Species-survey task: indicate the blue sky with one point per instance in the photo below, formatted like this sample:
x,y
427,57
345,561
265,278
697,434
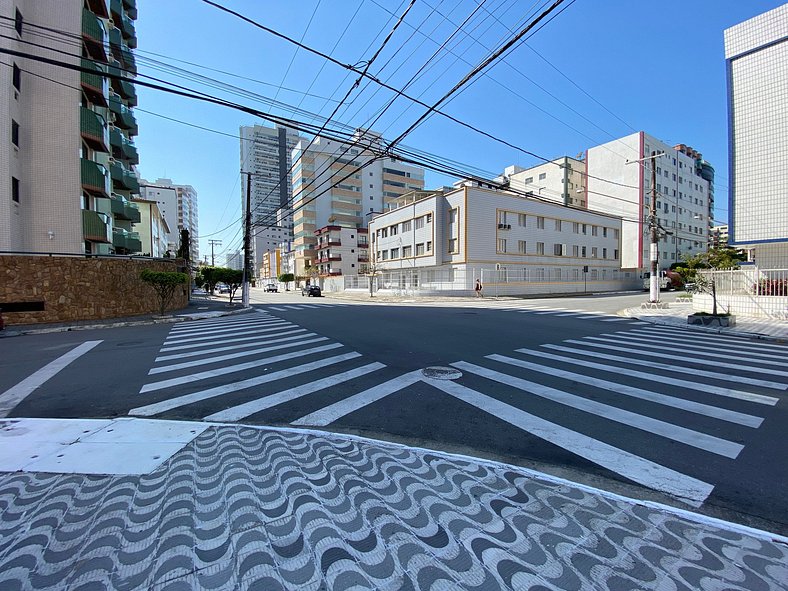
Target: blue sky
x,y
600,70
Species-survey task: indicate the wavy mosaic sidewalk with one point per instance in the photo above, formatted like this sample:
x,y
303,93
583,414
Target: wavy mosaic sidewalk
x,y
244,508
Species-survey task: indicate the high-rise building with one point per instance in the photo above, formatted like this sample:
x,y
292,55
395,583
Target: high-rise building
x,y
67,172
266,154
618,182
756,57
368,190
178,205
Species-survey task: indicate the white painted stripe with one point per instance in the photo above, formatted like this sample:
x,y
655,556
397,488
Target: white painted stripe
x,y
257,336
645,423
221,321
673,368
617,319
236,413
669,345
621,462
257,321
726,340
218,330
722,414
731,349
335,411
294,307
664,355
165,405
278,309
234,368
229,356
227,334
313,306
263,339
659,378
16,394
554,311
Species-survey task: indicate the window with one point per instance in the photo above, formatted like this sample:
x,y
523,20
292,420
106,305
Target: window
x,y
453,230
18,22
594,231
615,254
429,218
542,176
371,186
540,248
15,189
540,222
15,133
575,227
394,230
385,255
521,220
604,232
585,229
604,253
407,251
406,226
419,222
559,249
17,77
557,225
529,180
594,252
429,246
575,251
501,217
615,234
583,252
521,246
452,245
420,249
395,253
384,233
501,244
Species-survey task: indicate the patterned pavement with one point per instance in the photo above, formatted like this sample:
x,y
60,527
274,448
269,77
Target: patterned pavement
x,y
270,509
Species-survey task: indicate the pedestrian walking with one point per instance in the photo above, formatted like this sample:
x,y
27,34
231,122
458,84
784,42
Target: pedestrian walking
x,y
478,288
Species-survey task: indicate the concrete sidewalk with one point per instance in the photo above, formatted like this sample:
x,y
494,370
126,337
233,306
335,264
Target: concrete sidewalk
x,y
676,316
235,507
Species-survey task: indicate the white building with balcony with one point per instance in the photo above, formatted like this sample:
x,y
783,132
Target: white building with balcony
x,y
341,251
444,241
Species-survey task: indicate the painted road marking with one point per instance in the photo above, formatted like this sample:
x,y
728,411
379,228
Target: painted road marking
x,y
333,412
645,337
689,336
254,343
165,405
16,394
662,378
257,336
236,413
226,333
630,466
672,401
690,437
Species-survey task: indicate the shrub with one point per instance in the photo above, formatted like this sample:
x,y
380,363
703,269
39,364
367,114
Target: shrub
x,y
772,287
164,284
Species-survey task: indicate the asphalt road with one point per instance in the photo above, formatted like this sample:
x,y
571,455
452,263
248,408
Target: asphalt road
x,y
560,385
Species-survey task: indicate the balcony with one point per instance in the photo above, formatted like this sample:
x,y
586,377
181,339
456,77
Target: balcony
x,y
123,179
93,129
123,88
95,84
95,227
124,117
131,8
125,241
124,209
123,148
99,8
95,179
94,34
127,28
116,11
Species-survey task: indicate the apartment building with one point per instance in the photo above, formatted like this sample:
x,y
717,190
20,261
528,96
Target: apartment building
x,y
471,232
372,186
178,204
561,180
341,251
266,153
618,182
67,158
152,228
756,54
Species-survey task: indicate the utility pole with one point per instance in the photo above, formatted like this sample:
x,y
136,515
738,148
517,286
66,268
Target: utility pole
x,y
247,241
653,228
214,243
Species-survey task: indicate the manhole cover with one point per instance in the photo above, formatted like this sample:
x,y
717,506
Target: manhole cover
x,y
441,373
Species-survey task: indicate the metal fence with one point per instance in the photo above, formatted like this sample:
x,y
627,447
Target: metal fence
x,y
748,291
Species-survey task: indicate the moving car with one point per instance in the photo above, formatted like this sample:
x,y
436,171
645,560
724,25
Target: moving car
x,y
271,287
311,290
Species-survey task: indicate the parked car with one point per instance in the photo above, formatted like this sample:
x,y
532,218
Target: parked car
x,y
222,288
271,287
311,290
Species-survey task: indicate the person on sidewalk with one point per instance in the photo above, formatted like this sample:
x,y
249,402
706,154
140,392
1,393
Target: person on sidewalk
x,y
478,288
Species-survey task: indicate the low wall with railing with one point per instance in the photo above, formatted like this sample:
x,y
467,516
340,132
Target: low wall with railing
x,y
66,288
747,291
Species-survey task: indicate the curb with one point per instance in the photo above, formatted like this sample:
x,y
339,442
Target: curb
x,y
738,333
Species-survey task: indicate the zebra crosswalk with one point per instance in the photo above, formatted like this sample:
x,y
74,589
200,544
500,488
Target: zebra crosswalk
x,y
660,406
286,307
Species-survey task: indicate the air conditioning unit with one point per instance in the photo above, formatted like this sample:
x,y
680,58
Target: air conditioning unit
x,y
504,226
501,226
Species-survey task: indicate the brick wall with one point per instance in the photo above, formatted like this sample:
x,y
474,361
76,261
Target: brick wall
x,y
79,288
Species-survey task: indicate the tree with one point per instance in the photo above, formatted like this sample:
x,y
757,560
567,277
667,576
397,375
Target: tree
x,y
371,270
718,258
286,278
184,250
232,277
164,284
210,278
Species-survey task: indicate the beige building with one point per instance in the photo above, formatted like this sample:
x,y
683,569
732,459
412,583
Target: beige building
x,y
561,180
371,188
446,240
152,228
68,169
341,251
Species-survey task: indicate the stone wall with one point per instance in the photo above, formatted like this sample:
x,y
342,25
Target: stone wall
x,y
75,288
